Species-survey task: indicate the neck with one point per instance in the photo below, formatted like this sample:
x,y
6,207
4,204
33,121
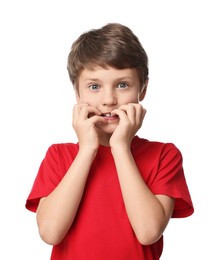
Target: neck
x,y
105,139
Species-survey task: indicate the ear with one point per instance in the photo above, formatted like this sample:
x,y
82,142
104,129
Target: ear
x,y
143,91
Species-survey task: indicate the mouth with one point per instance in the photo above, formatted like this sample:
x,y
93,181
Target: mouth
x,y
106,115
109,116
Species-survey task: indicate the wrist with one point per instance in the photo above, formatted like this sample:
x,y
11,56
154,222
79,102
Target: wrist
x,y
119,149
87,152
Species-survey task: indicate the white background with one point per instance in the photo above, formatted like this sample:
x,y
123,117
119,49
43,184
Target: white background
x,y
182,39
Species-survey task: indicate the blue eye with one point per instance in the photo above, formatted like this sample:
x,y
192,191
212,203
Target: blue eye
x,y
94,87
122,85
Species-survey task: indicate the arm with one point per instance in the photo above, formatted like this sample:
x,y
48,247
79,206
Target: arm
x,y
148,214
56,212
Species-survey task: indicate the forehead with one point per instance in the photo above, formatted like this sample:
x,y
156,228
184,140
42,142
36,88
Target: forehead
x,y
108,73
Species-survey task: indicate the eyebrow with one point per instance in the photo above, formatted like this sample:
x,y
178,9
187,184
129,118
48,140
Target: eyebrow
x,y
125,78
116,79
91,79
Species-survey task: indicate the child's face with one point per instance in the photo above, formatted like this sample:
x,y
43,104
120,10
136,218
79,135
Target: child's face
x,y
108,89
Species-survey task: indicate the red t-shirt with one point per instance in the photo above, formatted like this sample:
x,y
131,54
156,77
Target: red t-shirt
x,y
101,229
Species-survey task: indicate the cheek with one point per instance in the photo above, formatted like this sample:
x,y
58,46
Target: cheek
x,y
130,99
86,99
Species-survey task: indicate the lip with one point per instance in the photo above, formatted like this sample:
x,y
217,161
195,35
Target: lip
x,y
108,116
106,112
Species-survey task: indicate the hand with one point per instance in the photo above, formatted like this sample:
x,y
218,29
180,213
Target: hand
x,y
85,118
130,120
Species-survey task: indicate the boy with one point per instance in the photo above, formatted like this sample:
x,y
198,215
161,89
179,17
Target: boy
x,y
111,195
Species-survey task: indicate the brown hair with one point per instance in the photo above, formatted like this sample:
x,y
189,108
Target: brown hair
x,y
112,45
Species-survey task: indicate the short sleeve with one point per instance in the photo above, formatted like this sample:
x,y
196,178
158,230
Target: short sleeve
x,y
170,180
46,180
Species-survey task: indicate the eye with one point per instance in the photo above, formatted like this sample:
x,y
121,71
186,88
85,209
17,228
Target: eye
x,y
122,85
94,87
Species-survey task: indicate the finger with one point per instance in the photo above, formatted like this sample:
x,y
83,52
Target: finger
x,y
144,113
75,113
140,113
130,111
97,120
77,108
86,111
120,113
135,112
85,106
89,111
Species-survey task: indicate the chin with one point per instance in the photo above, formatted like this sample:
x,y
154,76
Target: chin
x,y
109,129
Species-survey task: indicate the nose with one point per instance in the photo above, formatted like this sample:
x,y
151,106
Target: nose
x,y
109,98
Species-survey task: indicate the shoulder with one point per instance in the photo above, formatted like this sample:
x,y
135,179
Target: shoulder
x,y
61,153
157,148
63,148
